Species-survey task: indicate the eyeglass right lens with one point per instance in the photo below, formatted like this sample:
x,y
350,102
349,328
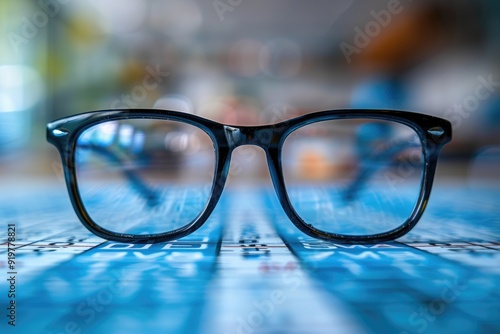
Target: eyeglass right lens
x,y
353,176
144,176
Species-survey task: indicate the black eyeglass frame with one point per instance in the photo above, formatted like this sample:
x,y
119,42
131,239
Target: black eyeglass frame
x,y
433,132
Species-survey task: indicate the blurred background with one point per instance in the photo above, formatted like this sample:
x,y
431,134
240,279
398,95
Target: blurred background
x,y
249,62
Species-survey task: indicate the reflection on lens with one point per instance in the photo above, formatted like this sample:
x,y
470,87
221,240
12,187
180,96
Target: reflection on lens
x,y
353,177
144,176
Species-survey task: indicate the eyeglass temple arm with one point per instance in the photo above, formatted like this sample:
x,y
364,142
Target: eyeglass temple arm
x,y
368,169
151,196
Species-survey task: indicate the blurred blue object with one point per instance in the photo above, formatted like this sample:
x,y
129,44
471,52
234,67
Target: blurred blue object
x,y
379,93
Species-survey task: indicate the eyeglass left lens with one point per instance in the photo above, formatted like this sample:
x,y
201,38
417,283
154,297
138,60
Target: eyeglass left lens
x,y
354,177
144,176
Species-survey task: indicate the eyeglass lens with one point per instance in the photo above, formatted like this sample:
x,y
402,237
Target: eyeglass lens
x,y
144,176
353,176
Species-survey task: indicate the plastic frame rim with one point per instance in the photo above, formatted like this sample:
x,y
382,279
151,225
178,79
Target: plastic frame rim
x,y
433,132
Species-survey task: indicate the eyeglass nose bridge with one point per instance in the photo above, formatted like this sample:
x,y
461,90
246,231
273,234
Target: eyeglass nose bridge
x,y
261,136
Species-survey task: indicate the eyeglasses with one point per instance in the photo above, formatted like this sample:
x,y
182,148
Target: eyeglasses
x,y
148,176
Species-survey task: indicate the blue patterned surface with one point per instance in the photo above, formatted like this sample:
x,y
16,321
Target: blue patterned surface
x,y
248,270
